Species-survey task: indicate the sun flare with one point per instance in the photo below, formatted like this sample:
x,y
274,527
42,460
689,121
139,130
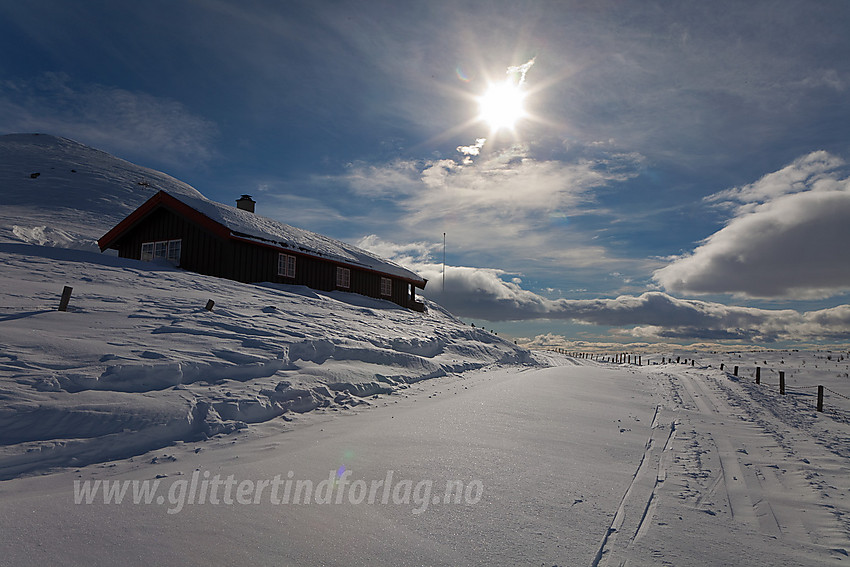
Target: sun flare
x,y
502,105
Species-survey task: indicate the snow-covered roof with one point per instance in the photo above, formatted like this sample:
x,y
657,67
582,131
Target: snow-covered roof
x,y
250,226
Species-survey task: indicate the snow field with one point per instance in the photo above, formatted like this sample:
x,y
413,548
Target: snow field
x,y
137,362
744,473
581,464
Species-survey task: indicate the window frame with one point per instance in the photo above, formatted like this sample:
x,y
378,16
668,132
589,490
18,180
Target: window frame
x,y
386,287
147,255
286,265
343,277
170,250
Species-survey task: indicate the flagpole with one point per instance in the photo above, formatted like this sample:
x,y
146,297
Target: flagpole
x,y
444,262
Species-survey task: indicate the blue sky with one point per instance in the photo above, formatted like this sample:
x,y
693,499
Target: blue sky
x,y
680,175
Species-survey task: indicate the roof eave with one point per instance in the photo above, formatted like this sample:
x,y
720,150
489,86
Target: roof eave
x,y
161,198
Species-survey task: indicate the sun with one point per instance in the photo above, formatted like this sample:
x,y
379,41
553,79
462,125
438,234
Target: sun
x,y
502,105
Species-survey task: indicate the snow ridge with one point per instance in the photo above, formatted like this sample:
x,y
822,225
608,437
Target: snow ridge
x,y
137,362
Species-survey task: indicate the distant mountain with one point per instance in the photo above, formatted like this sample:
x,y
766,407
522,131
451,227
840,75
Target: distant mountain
x,y
58,192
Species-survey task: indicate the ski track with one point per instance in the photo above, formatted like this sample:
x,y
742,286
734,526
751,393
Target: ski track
x,y
638,504
757,481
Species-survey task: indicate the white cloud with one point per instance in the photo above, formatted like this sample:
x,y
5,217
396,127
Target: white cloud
x,y
810,171
787,239
412,254
552,340
471,150
118,120
399,177
495,295
520,70
499,205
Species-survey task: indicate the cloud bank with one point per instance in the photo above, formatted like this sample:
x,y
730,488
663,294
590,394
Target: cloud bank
x,y
495,295
787,237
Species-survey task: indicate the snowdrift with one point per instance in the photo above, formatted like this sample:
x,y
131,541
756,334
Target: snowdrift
x,y
137,362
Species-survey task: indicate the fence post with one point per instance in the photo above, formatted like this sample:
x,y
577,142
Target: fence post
x,y
721,366
209,305
758,374
66,297
735,371
782,382
820,398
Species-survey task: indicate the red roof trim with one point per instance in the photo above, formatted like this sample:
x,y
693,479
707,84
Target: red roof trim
x,y
161,199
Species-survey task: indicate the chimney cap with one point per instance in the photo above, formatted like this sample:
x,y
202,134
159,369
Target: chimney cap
x,y
245,198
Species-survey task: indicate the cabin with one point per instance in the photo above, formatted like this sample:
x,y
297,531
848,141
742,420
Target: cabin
x,y
210,238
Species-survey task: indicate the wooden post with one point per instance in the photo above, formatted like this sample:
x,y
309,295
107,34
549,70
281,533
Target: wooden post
x,y
721,366
66,297
758,374
820,398
692,362
209,305
736,371
782,382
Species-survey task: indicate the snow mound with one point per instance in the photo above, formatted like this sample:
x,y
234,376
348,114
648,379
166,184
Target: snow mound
x,y
54,237
137,362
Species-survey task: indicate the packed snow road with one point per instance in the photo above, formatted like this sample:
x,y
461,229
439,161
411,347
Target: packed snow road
x,y
745,477
543,458
583,464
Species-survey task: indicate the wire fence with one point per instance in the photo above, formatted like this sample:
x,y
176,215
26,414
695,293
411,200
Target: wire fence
x,y
797,391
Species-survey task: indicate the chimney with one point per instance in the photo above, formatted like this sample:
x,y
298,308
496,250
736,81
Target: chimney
x,y
246,203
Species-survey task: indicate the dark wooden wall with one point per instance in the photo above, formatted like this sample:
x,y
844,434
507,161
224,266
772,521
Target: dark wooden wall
x,y
201,251
206,253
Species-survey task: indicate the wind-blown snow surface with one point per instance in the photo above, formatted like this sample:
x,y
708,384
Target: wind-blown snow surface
x,y
579,463
137,362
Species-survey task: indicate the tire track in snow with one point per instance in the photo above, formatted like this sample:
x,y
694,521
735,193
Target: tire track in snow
x,y
737,493
754,483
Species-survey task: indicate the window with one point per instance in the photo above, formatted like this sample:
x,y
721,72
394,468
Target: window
x,y
147,251
174,249
386,286
286,265
162,250
343,277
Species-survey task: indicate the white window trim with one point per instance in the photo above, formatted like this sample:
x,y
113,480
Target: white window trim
x,y
386,286
343,277
168,250
286,265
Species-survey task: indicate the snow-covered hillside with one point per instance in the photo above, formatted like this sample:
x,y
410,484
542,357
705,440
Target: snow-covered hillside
x,y
137,362
57,192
